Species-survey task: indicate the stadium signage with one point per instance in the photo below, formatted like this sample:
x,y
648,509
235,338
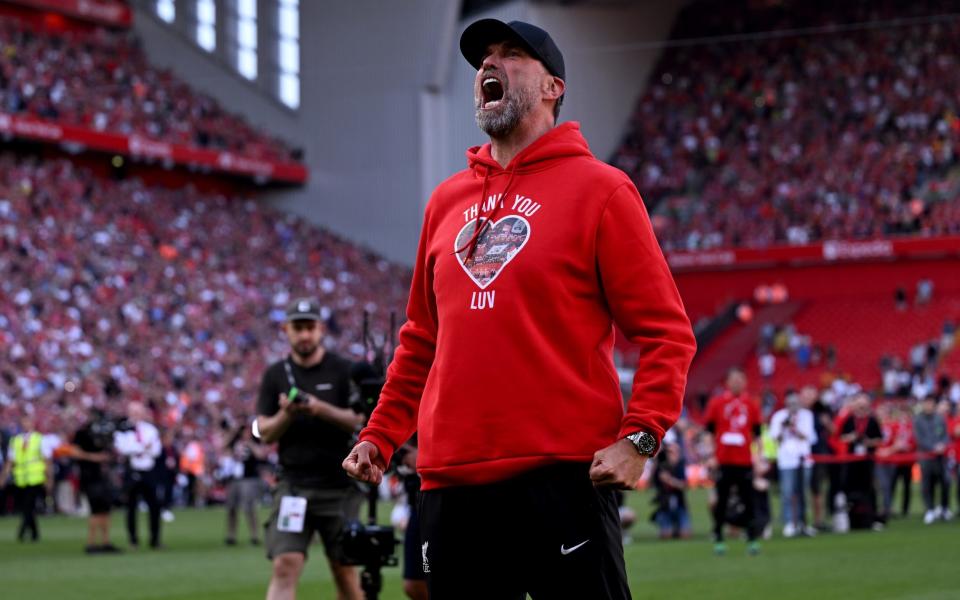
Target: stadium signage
x,y
682,260
30,129
228,161
105,12
857,250
139,147
145,147
825,252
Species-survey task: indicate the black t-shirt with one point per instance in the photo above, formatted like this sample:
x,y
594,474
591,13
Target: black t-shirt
x,y
311,450
820,412
90,472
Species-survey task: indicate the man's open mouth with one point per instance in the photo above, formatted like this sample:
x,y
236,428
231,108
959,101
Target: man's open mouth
x,y
492,92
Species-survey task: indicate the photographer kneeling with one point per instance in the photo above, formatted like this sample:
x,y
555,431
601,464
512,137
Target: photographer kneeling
x,y
303,405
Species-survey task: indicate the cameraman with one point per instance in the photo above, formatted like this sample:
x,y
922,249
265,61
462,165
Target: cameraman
x,y
92,450
303,405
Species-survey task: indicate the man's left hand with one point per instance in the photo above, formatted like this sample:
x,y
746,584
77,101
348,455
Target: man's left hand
x,y
618,465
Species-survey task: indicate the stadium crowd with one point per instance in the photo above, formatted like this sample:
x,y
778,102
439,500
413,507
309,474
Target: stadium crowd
x,y
113,291
102,80
798,138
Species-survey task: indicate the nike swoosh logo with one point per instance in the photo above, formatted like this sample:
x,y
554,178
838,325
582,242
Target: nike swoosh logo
x,y
565,551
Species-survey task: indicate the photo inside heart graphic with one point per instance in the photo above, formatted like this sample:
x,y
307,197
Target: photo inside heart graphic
x,y
498,244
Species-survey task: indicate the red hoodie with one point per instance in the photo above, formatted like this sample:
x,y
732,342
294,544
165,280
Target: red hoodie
x,y
505,361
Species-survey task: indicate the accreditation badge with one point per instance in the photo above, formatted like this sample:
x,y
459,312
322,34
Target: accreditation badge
x,y
293,511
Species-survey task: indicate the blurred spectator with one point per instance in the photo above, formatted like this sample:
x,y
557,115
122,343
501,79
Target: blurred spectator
x,y
924,292
767,364
897,439
953,425
794,430
670,479
193,467
94,450
31,474
918,358
240,466
861,433
734,420
900,298
140,445
948,336
167,468
819,472
930,431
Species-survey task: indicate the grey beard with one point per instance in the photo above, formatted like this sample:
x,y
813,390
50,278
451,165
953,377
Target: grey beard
x,y
500,123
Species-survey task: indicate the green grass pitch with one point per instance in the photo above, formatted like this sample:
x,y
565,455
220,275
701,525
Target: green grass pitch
x,y
908,560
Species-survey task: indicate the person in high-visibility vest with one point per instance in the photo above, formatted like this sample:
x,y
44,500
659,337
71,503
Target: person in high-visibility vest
x,y
192,463
32,475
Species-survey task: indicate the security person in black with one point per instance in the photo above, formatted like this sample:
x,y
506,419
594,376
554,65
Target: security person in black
x,y
304,406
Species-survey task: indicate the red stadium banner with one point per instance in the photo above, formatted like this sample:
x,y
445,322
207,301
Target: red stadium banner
x,y
138,147
820,253
105,12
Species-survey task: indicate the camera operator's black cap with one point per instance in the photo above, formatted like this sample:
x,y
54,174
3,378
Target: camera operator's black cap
x,y
479,35
304,309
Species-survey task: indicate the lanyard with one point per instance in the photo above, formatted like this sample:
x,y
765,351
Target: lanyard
x,y
290,378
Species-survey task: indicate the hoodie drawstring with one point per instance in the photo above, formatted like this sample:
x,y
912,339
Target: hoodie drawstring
x,y
471,246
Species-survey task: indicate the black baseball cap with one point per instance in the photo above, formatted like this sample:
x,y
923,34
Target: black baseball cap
x,y
477,37
304,309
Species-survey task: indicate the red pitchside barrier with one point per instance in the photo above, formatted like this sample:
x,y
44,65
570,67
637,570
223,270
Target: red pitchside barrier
x,y
105,12
139,147
901,458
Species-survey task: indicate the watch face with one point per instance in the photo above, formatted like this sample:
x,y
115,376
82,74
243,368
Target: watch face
x,y
644,442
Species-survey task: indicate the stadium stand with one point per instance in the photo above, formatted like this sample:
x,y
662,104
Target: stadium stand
x,y
789,139
168,295
100,79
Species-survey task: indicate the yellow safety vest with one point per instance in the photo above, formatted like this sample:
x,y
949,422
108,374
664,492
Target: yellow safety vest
x,y
28,465
768,444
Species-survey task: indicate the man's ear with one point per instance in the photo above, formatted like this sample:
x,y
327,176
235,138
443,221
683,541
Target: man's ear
x,y
553,87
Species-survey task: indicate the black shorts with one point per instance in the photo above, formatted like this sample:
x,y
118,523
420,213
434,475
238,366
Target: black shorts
x,y
99,496
412,559
548,533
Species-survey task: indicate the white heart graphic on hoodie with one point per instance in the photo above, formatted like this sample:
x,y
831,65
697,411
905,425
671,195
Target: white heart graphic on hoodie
x,y
497,246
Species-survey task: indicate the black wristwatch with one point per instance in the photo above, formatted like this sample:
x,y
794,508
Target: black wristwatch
x,y
645,443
